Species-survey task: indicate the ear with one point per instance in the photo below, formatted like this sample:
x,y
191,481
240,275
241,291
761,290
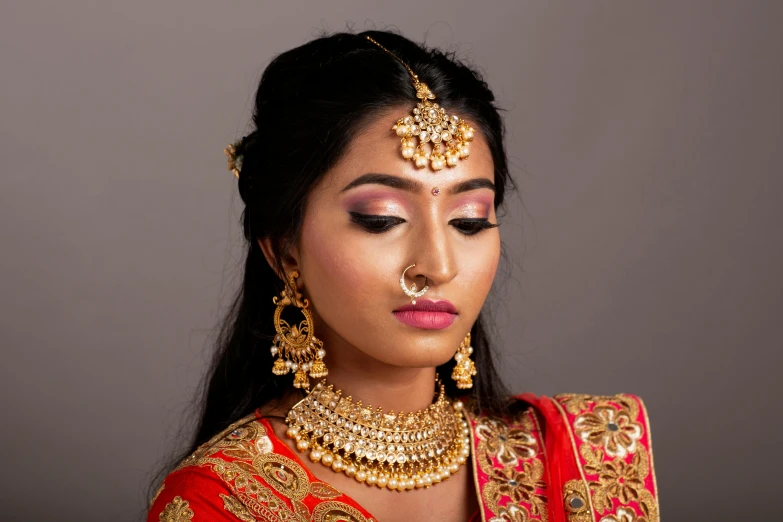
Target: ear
x,y
290,259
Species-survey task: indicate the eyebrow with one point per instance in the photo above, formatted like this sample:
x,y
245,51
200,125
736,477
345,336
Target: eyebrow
x,y
412,185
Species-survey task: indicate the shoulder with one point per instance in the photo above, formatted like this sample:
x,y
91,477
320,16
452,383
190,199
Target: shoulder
x,y
599,445
189,493
590,417
617,422
201,487
247,473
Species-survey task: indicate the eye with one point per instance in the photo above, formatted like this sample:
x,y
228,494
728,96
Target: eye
x,y
472,226
375,224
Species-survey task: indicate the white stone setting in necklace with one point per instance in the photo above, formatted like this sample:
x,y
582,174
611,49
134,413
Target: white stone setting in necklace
x,y
387,450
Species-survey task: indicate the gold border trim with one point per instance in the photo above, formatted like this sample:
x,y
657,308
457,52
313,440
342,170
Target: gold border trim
x,y
650,451
576,456
534,414
474,463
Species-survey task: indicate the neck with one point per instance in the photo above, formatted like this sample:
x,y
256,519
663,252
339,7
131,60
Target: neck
x,y
396,389
374,382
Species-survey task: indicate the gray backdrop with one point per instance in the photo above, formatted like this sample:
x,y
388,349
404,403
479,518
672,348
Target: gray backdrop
x,y
646,139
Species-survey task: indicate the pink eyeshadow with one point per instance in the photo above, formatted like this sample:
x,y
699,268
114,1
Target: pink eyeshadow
x,y
374,201
480,202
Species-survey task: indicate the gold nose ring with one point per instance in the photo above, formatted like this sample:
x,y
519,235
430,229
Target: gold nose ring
x,y
411,292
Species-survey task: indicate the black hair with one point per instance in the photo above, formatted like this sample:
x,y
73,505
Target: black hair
x,y
310,101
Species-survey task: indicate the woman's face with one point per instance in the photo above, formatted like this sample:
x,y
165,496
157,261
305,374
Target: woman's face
x,y
357,238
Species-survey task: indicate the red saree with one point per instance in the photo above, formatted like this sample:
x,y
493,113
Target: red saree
x,y
571,458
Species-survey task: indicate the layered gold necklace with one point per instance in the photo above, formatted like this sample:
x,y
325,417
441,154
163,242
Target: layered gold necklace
x,y
396,451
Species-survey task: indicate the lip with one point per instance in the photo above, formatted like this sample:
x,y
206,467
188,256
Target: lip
x,y
427,314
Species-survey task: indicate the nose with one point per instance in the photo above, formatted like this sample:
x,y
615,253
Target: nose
x,y
433,255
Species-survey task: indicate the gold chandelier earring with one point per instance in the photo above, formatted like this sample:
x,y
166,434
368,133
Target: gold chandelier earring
x,y
465,369
297,349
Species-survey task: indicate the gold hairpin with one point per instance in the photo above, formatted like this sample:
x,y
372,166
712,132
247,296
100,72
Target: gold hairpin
x,y
234,159
429,122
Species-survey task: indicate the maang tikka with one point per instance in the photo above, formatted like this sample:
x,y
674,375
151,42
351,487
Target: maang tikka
x,y
295,346
429,122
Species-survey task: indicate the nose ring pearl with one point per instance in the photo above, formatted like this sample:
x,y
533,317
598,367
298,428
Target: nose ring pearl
x,y
411,292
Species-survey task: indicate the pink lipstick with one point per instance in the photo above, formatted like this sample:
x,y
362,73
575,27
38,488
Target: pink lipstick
x,y
427,314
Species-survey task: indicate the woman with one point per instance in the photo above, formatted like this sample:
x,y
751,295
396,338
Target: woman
x,y
371,184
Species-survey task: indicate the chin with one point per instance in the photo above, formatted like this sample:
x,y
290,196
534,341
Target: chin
x,y
412,358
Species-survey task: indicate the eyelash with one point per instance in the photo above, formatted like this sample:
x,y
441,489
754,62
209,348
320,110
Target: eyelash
x,y
380,224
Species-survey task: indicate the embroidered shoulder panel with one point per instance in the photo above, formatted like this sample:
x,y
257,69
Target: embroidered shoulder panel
x,y
610,437
266,480
177,510
509,467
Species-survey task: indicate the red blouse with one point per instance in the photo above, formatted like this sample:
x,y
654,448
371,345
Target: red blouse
x,y
571,458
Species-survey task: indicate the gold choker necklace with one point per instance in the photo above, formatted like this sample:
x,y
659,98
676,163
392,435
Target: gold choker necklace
x,y
395,451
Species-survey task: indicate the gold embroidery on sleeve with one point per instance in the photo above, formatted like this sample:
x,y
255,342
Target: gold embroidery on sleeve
x,y
177,510
157,494
255,475
323,490
610,427
239,433
333,511
283,474
236,508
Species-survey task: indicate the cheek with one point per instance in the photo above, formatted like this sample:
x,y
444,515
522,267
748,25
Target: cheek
x,y
480,267
336,272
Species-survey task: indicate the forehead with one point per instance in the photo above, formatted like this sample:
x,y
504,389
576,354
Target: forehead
x,y
374,147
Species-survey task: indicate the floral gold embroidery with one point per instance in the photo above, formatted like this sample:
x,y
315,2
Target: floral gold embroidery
x,y
611,428
248,490
624,514
611,436
333,511
649,507
593,458
523,485
236,508
506,444
177,510
511,513
259,479
576,403
238,434
508,455
257,498
621,480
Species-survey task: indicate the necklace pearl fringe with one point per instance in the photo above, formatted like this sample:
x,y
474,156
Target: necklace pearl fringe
x,y
392,451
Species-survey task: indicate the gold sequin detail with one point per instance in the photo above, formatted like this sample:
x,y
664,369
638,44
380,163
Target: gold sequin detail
x,y
576,502
283,474
177,510
236,508
331,511
157,494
